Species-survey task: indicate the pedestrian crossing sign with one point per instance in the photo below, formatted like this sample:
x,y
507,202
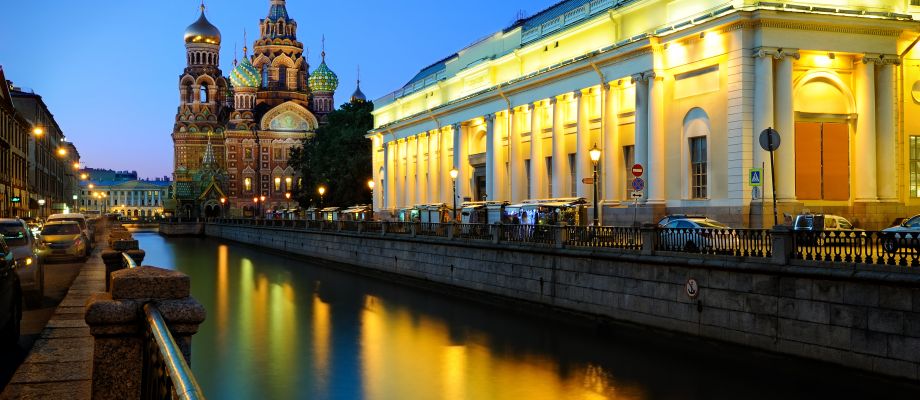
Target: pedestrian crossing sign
x,y
755,178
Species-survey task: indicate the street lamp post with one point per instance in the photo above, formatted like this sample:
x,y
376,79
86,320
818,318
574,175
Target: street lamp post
x,y
223,203
262,206
287,202
453,178
322,192
255,211
370,185
595,154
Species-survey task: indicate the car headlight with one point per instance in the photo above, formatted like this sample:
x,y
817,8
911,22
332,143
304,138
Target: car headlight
x,y
27,261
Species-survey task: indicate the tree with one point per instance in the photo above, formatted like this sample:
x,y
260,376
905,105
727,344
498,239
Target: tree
x,y
338,157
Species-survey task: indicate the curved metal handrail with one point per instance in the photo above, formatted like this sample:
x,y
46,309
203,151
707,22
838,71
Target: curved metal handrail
x,y
129,262
184,383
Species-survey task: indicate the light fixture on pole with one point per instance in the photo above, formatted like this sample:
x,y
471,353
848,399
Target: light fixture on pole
x,y
453,177
223,203
322,192
287,196
595,154
370,185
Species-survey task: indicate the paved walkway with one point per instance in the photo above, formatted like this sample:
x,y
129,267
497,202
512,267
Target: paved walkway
x,y
61,361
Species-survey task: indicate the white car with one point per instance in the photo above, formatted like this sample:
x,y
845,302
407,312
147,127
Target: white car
x,y
905,235
24,247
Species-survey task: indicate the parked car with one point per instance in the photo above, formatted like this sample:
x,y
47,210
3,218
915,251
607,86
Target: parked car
x,y
905,235
694,234
29,265
817,223
87,228
63,240
674,217
10,299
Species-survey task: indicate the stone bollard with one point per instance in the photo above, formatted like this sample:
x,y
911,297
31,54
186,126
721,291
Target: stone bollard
x,y
118,324
113,262
649,234
783,244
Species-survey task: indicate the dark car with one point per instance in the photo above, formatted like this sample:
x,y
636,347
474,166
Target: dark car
x,y
674,217
10,298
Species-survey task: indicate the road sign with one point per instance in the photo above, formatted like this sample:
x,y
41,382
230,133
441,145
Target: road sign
x,y
755,177
637,195
769,139
588,181
637,170
693,288
638,184
16,199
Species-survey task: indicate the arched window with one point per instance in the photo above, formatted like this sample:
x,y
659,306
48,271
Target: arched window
x,y
247,184
204,94
189,94
282,77
264,75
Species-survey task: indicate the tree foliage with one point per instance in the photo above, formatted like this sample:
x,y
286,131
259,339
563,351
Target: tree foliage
x,y
338,157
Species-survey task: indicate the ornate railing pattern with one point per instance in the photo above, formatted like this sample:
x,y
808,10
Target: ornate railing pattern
x,y
731,242
166,374
862,247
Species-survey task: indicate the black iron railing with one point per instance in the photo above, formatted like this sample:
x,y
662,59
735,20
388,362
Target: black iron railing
x,y
166,374
862,247
731,242
604,236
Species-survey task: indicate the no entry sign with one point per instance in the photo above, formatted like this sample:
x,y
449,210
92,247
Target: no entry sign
x,y
637,170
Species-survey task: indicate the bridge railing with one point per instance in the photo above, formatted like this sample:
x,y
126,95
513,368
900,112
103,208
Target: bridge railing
x,y
166,374
716,241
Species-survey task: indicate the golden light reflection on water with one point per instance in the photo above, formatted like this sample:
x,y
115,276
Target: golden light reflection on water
x,y
411,355
322,330
223,289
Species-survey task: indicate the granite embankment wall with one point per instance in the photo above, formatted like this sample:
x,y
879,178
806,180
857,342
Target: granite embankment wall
x,y
862,317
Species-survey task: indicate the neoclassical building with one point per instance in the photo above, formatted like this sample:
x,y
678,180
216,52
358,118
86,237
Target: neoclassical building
x,y
683,88
233,135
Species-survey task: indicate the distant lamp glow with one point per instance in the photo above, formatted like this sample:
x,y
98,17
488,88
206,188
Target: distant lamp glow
x,y
287,195
595,154
76,165
321,190
262,198
74,197
223,200
255,199
38,131
41,202
62,152
370,184
91,186
84,176
454,173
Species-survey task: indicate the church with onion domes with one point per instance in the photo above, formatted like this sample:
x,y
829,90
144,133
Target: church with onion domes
x,y
233,135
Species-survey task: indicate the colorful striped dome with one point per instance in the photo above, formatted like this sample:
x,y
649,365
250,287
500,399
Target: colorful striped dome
x,y
245,75
323,79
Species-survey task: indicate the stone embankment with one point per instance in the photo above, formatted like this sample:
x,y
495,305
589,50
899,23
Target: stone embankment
x,y
864,317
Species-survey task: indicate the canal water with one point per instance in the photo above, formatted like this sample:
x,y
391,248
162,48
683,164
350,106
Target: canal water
x,y
282,327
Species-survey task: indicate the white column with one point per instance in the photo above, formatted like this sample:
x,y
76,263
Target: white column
x,y
864,163
784,118
421,176
886,132
641,126
613,154
516,159
383,188
763,116
401,171
446,166
411,170
434,178
560,155
537,161
461,161
656,166
491,157
390,179
584,168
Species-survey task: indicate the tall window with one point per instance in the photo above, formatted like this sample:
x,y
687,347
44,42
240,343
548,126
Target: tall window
x,y
247,153
698,178
527,172
189,94
573,172
264,76
549,176
282,77
247,184
204,93
915,166
629,159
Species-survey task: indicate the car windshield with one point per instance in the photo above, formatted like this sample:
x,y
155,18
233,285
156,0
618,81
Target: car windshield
x,y
844,224
708,223
62,229
804,222
14,234
913,222
80,221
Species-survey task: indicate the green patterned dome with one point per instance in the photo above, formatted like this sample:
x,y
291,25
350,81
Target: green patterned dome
x,y
245,75
323,79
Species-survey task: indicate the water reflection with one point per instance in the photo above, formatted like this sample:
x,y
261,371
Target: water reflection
x,y
282,328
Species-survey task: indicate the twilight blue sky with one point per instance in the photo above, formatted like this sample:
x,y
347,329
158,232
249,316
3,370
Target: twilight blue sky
x,y
109,69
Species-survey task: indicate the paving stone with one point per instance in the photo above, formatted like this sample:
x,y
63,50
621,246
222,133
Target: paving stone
x,y
72,390
61,350
52,372
51,333
66,323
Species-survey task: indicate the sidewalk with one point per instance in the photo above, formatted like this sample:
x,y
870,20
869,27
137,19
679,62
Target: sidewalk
x,y
61,361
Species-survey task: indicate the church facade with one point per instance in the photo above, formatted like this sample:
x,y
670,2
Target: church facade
x,y
233,135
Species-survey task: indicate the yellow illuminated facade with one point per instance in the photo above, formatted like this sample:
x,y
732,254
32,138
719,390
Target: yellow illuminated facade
x,y
682,87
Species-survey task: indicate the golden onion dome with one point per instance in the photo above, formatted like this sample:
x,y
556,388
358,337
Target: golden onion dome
x,y
202,31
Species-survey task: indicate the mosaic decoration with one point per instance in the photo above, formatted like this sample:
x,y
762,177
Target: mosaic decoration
x,y
289,121
245,75
323,79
